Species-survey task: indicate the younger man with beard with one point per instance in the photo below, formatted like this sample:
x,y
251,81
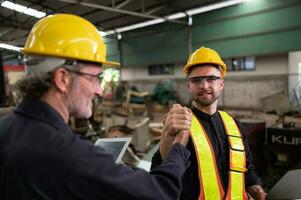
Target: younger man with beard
x,y
221,162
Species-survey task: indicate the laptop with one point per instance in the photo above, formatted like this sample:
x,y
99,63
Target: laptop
x,y
114,146
146,162
288,187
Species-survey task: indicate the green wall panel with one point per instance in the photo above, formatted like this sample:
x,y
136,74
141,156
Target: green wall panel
x,y
165,47
257,45
251,7
112,49
253,28
262,23
166,55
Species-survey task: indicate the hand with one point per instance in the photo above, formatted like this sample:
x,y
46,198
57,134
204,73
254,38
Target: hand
x,y
175,129
257,192
182,137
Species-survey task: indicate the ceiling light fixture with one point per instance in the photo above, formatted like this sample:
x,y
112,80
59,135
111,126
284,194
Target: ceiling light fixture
x,y
102,33
131,27
23,9
176,16
140,25
10,47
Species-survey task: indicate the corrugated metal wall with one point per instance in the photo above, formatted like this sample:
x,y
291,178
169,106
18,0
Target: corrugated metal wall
x,y
253,28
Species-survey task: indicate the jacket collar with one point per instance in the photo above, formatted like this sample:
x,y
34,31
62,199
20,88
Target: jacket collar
x,y
203,114
41,111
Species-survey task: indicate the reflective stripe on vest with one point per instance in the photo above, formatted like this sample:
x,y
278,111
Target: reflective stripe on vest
x,y
210,182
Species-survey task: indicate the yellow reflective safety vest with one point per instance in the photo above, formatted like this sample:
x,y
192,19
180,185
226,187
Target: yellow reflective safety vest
x,y
210,183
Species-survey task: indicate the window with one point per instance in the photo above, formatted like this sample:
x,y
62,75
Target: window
x,y
162,69
240,64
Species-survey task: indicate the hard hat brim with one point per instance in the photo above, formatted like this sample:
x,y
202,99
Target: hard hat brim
x,y
187,67
105,63
111,64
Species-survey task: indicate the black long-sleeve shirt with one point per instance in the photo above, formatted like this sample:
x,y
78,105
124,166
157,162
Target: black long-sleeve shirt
x,y
217,134
40,158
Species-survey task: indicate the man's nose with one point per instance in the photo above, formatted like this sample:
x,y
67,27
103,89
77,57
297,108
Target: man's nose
x,y
98,90
203,83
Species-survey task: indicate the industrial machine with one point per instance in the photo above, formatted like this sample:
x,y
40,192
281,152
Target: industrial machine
x,y
283,145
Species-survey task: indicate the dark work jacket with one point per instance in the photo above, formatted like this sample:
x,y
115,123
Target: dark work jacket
x,y
40,158
216,132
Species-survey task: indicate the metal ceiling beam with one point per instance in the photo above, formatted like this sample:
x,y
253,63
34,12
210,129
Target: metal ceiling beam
x,y
169,5
142,6
119,10
123,3
91,5
5,30
25,25
8,23
14,15
155,9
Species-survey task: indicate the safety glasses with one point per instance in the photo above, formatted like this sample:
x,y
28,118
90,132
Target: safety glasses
x,y
94,77
201,79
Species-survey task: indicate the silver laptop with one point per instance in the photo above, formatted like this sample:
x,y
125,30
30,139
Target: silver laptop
x,y
287,188
114,146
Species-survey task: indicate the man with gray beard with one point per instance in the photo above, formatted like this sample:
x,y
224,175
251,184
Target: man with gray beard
x,y
40,157
221,161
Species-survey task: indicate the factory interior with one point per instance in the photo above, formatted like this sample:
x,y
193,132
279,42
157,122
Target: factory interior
x,y
258,40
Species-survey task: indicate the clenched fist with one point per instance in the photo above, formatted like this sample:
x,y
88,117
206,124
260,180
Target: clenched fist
x,y
176,128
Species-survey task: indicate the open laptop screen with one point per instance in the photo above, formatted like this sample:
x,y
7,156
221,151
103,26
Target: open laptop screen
x,y
114,146
288,187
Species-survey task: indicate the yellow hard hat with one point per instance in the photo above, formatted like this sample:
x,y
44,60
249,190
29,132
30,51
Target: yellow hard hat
x,y
67,36
205,55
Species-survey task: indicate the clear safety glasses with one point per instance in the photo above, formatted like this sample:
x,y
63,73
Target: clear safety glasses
x,y
200,79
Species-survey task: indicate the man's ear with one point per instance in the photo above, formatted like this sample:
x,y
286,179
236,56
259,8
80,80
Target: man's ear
x,y
188,86
61,79
222,84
